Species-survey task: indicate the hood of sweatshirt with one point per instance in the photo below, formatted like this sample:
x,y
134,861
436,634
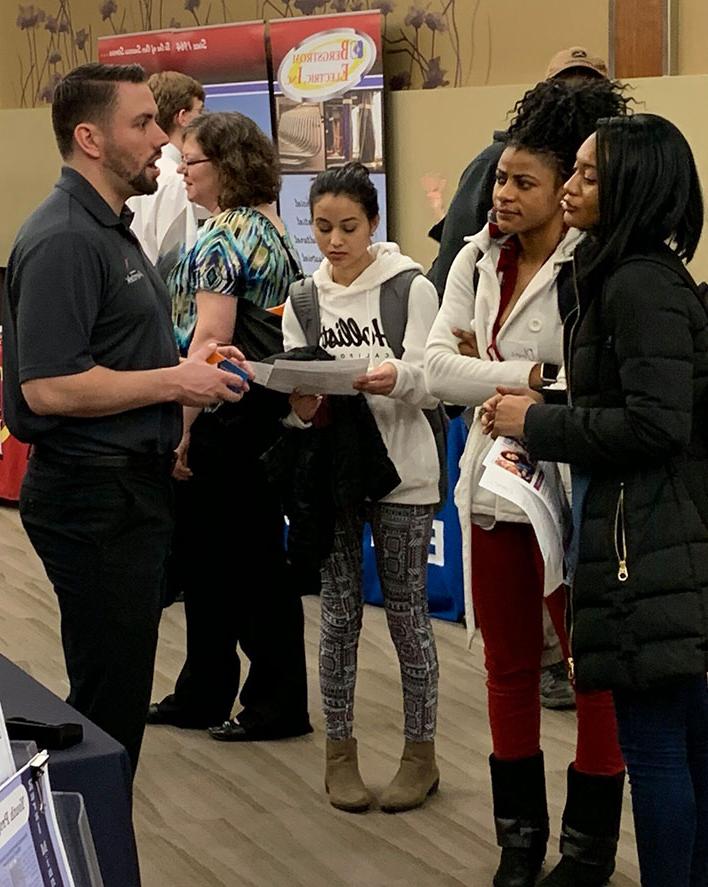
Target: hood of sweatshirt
x,y
388,262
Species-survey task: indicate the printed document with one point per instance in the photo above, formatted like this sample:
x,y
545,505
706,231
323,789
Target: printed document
x,y
310,376
32,853
537,489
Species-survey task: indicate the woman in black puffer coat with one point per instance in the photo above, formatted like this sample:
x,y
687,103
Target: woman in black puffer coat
x,y
635,431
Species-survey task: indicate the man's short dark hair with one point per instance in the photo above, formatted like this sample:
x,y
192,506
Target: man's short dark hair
x,y
88,95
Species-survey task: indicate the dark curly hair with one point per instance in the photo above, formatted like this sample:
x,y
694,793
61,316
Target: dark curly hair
x,y
246,159
556,116
354,181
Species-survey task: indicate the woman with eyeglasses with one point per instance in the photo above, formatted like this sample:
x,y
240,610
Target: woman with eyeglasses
x,y
231,287
635,433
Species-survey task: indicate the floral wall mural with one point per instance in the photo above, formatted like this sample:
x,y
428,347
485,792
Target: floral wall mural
x,y
428,44
411,31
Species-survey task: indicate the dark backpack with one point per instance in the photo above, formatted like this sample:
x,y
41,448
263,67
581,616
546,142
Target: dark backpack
x,y
393,307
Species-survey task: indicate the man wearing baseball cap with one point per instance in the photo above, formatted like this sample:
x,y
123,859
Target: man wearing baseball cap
x,y
468,210
575,62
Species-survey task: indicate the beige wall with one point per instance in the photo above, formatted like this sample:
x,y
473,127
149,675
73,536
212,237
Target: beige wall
x,y
420,144
692,34
430,133
29,164
483,41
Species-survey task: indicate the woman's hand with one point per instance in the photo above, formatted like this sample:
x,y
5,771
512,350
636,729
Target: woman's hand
x,y
305,405
182,471
468,342
510,415
490,416
381,380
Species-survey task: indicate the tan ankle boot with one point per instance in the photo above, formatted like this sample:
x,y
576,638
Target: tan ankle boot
x,y
417,777
343,782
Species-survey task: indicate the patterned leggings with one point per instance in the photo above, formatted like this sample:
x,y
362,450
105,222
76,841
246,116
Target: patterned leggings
x,y
401,538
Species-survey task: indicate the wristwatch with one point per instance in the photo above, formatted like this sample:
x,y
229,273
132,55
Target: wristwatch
x,y
549,373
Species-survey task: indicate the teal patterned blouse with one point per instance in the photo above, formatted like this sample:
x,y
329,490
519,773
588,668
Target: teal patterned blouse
x,y
238,253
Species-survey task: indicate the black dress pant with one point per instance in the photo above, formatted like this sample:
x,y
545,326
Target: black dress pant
x,y
237,590
103,535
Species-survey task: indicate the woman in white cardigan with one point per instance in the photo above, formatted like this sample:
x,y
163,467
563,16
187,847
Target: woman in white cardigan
x,y
504,287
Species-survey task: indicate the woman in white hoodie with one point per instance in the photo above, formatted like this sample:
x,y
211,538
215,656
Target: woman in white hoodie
x,y
505,285
345,213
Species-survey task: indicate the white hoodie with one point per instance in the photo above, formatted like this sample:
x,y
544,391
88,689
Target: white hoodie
x,y
351,328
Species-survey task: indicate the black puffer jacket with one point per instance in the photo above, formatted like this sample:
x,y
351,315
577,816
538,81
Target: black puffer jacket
x,y
637,360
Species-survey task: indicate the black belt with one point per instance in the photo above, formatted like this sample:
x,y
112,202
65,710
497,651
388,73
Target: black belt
x,y
144,461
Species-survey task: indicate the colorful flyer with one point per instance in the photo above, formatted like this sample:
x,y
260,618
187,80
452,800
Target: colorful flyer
x,y
328,83
31,849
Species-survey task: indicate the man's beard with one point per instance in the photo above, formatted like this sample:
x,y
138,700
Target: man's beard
x,y
139,183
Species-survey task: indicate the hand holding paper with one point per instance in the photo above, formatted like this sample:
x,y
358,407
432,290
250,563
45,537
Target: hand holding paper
x,y
505,412
381,380
311,376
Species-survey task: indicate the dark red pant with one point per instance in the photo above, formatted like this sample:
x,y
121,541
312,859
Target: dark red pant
x,y
507,588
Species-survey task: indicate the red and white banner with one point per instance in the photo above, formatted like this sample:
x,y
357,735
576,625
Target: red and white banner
x,y
229,60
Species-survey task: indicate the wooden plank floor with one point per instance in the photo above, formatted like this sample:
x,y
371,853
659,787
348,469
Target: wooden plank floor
x,y
211,814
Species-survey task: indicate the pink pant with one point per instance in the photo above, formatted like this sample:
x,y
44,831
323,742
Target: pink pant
x,y
507,588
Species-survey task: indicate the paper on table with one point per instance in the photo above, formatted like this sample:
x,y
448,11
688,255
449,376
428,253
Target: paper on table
x,y
310,377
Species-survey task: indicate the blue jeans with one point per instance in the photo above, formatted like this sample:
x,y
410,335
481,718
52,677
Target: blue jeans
x,y
664,739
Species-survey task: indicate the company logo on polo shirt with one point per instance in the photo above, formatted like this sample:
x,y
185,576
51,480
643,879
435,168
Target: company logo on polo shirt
x,y
133,275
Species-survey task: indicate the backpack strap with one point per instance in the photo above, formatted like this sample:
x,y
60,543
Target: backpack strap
x,y
303,298
393,307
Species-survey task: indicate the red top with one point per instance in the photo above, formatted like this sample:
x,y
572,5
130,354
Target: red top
x,y
508,272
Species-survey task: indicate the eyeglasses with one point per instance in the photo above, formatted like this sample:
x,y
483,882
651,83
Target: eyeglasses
x,y
185,162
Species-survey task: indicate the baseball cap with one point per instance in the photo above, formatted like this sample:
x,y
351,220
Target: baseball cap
x,y
575,57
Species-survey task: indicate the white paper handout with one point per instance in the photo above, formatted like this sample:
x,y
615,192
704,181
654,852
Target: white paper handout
x,y
537,489
310,376
7,762
31,849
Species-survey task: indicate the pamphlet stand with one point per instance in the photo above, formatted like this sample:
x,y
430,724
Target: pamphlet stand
x,y
73,824
23,750
78,842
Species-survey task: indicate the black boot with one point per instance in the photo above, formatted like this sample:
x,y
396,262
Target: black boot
x,y
589,832
521,819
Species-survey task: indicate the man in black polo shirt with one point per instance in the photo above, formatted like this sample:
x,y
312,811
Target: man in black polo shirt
x,y
94,382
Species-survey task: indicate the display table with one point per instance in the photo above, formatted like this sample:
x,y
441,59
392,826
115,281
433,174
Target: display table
x,y
98,768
